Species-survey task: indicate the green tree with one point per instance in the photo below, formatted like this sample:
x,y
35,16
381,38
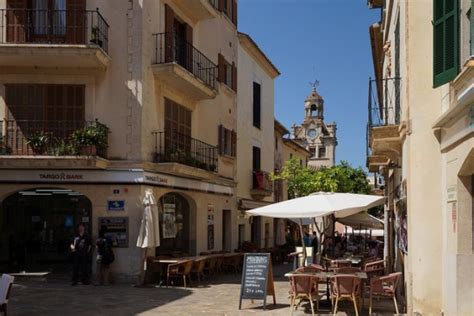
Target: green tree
x,y
303,181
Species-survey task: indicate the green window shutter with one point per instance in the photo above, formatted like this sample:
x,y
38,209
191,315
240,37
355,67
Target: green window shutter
x,y
445,41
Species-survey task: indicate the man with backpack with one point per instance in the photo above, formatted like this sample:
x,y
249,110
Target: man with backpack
x,y
105,256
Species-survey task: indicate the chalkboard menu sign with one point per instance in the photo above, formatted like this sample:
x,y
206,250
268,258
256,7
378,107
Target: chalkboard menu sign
x,y
257,278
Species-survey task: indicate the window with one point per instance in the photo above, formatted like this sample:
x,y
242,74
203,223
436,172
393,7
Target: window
x,y
227,141
229,8
45,102
312,150
322,152
177,127
257,104
446,41
291,156
227,73
301,162
256,158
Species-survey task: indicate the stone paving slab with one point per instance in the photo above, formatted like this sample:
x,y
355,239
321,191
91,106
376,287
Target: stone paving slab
x,y
219,297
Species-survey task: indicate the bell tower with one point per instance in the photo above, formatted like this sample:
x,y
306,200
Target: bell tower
x,y
314,134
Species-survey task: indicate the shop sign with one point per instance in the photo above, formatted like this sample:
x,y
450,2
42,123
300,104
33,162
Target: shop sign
x,y
452,194
116,205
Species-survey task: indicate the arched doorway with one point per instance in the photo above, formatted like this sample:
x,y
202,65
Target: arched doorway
x,y
37,226
175,222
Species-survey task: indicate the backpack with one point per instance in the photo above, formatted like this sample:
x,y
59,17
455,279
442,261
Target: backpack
x,y
108,256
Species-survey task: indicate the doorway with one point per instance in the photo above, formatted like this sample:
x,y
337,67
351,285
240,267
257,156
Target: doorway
x,y
37,226
175,222
226,230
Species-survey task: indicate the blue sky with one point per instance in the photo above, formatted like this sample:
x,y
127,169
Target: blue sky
x,y
323,39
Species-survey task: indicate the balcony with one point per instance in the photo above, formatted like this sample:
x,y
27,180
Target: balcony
x,y
198,9
183,67
53,38
262,185
53,144
182,154
384,139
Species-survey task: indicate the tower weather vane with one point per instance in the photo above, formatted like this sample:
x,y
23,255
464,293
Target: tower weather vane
x,y
314,84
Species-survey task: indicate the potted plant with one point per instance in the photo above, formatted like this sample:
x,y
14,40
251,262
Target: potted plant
x,y
38,142
90,139
95,36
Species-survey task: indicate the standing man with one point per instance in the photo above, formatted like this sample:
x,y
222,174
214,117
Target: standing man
x,y
81,249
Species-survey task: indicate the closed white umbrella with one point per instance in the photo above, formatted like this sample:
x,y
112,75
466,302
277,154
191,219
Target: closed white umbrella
x,y
149,234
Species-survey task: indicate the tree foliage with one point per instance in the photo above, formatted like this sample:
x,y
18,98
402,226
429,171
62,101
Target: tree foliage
x,y
303,181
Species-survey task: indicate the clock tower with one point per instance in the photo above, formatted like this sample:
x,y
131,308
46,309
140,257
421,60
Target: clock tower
x,y
314,134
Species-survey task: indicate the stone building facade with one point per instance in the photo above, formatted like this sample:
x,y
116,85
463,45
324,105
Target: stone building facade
x,y
315,134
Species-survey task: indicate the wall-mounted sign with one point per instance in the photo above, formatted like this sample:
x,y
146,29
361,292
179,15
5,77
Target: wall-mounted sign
x,y
116,191
116,229
452,193
116,205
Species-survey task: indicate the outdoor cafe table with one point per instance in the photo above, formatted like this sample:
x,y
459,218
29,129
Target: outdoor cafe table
x,y
326,275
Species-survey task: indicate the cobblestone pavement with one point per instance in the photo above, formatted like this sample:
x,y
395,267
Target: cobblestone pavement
x,y
219,296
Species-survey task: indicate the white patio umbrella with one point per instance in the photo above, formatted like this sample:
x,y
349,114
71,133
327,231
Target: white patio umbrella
x,y
149,233
319,204
362,219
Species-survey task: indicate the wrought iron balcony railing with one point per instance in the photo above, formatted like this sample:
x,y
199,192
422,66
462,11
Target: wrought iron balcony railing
x,y
53,138
384,105
261,181
60,27
384,102
183,149
171,48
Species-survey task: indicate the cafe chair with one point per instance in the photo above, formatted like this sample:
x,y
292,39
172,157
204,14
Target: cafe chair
x,y
384,287
210,266
178,270
303,288
374,268
345,287
220,264
232,263
6,283
198,268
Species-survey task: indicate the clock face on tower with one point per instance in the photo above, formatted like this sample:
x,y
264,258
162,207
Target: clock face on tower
x,y
312,133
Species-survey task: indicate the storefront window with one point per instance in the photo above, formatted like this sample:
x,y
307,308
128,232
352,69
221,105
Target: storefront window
x,y
174,224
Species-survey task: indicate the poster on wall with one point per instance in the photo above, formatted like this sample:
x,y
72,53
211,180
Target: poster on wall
x,y
169,220
116,229
210,237
210,214
401,226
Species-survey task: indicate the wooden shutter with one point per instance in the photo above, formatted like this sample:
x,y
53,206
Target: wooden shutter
x,y
256,104
234,77
221,69
234,12
234,144
256,158
221,5
76,25
169,22
445,41
189,47
221,140
16,21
